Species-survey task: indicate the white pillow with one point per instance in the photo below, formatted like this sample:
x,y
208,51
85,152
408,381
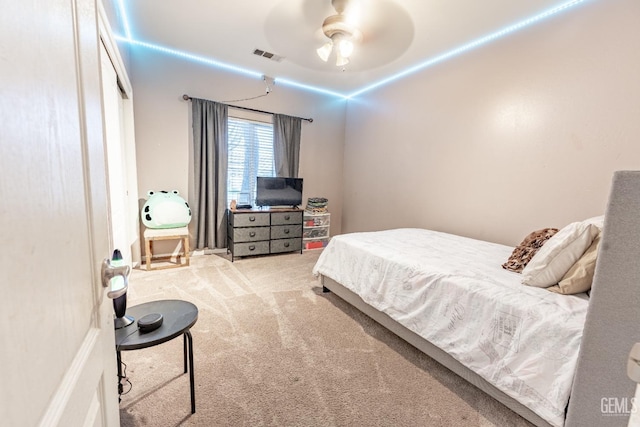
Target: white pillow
x,y
558,254
598,221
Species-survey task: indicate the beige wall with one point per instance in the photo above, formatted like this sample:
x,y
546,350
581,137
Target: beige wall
x,y
163,123
520,134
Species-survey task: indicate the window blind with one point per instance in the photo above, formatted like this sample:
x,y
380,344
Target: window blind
x,y
250,155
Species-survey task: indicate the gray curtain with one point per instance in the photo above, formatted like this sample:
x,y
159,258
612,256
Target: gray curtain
x,y
210,173
286,144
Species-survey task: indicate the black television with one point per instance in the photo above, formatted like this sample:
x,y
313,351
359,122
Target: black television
x,y
277,191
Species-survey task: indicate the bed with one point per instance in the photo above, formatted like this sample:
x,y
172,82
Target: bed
x,y
449,296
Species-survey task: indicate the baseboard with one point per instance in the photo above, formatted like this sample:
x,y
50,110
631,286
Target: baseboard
x,y
197,252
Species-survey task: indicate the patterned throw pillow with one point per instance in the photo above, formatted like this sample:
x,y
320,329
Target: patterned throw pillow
x,y
523,253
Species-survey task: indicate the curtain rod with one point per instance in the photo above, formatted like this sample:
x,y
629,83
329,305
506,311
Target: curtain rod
x,y
188,98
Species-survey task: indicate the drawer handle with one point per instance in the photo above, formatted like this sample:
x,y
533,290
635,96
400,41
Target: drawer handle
x,y
287,217
252,218
286,244
286,231
252,247
252,234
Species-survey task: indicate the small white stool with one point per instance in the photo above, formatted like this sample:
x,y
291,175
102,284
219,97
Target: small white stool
x,y
152,234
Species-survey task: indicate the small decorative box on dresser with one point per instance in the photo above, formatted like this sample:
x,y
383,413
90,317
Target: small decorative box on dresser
x,y
262,232
315,233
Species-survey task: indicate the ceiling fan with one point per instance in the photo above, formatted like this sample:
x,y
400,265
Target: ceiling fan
x,y
342,34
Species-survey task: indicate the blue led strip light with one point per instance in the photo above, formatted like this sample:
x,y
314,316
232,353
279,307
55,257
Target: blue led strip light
x,y
288,82
225,66
475,43
125,20
425,64
193,57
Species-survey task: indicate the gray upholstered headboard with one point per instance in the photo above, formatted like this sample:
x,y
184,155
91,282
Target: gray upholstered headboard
x,y
602,392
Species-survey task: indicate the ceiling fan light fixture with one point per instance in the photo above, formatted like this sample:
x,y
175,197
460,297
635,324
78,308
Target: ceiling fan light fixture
x,y
341,35
341,61
325,51
345,48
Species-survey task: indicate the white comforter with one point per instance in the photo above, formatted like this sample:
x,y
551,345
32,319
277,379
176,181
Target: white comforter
x,y
452,291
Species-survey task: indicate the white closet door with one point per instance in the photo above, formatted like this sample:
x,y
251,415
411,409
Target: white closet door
x,y
116,157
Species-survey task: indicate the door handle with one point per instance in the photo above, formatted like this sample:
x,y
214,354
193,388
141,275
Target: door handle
x,y
110,271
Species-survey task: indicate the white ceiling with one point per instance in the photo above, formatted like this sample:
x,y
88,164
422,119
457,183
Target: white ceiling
x,y
397,34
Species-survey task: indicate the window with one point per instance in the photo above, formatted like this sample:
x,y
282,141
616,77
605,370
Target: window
x,y
250,155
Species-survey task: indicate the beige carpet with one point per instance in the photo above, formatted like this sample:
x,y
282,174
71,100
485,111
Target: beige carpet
x,y
270,349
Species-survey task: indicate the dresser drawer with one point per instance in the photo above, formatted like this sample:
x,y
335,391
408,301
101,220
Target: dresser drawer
x,y
249,234
252,219
251,248
286,245
283,218
286,231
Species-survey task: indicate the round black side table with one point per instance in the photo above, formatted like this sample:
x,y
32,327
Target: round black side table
x,y
178,318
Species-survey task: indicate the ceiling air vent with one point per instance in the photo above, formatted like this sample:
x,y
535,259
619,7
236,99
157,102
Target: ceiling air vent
x,y
268,55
